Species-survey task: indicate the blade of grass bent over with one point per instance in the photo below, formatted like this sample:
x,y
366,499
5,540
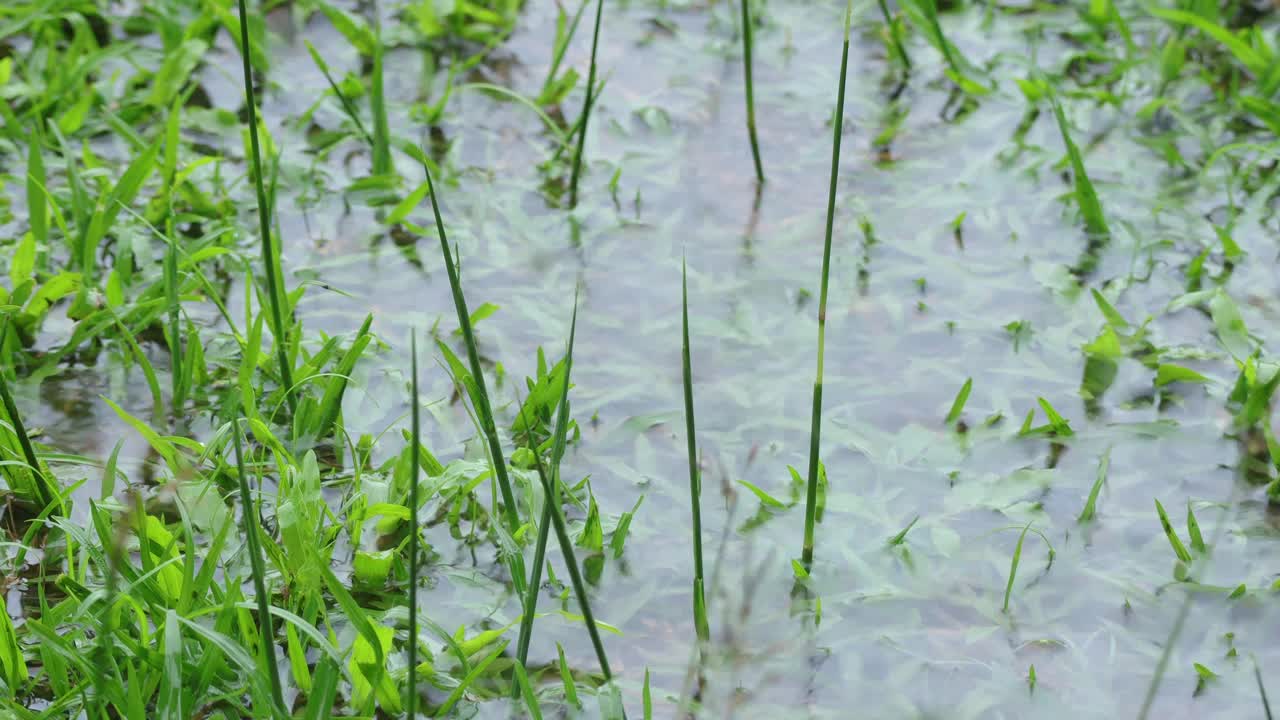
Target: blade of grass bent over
x,y
815,433
544,523
248,518
264,223
751,103
483,407
412,700
695,483
586,109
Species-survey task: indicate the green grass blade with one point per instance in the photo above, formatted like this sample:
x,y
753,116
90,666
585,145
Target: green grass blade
x,y
750,90
1013,567
552,498
957,406
1090,510
483,408
1174,541
571,561
587,104
347,106
695,482
530,700
895,35
42,488
248,517
378,99
269,257
1086,195
331,401
1262,689
412,700
566,678
815,431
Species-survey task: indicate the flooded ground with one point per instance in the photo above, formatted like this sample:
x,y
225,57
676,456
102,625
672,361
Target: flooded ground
x,y
958,255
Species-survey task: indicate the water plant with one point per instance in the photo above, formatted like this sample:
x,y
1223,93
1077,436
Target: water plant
x,y
815,423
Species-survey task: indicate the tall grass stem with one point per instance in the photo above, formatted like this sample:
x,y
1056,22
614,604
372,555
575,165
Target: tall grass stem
x,y
269,258
815,432
483,408
587,103
695,482
552,498
751,102
248,518
412,700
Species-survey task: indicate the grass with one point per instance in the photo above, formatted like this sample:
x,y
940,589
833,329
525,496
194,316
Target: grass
x,y
550,501
695,481
815,425
249,526
475,385
747,65
588,102
194,524
411,701
270,259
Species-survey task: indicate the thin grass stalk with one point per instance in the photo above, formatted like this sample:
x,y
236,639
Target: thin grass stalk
x,y
1184,611
571,561
483,407
178,399
695,482
412,701
587,104
815,433
553,498
264,223
894,35
751,103
378,99
44,492
248,519
1262,688
347,106
107,628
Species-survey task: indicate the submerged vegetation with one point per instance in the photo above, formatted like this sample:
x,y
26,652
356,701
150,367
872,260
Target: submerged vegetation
x,y
1047,265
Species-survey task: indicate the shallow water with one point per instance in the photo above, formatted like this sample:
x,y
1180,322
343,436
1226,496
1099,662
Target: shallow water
x,y
914,630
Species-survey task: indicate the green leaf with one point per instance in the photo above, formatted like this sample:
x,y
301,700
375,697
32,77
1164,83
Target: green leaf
x,y
765,498
957,406
372,568
1178,548
1114,318
11,661
1168,373
1230,326
1090,510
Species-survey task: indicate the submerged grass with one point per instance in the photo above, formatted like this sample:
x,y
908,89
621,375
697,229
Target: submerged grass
x,y
815,426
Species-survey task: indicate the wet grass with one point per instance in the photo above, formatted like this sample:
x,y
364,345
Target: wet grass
x,y
815,424
268,532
